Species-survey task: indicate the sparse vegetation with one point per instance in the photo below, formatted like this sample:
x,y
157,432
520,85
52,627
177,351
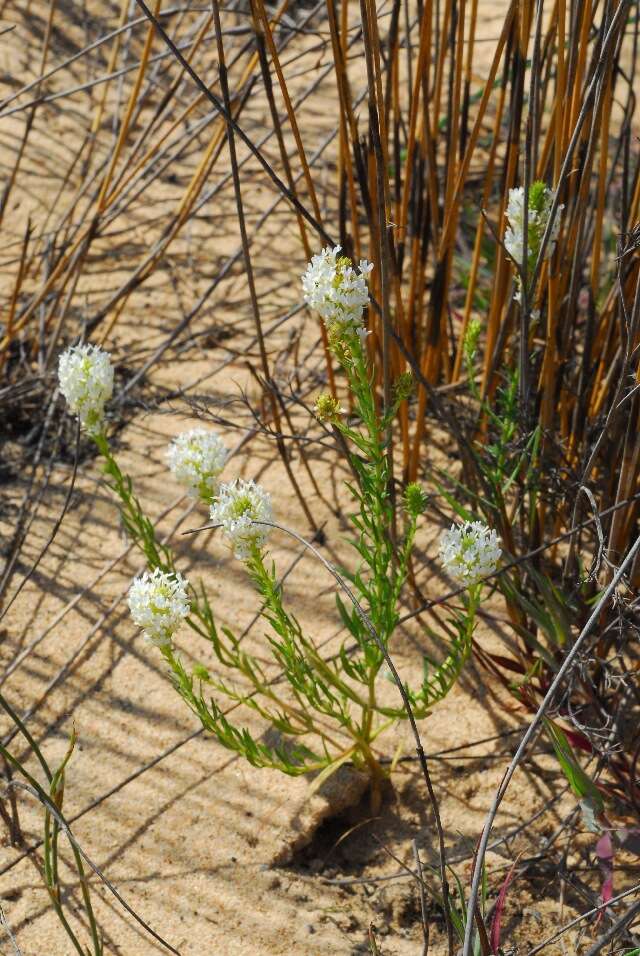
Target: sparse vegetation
x,y
371,274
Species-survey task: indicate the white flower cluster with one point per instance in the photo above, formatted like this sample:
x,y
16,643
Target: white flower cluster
x,y
469,552
85,375
196,459
238,506
158,603
335,290
540,203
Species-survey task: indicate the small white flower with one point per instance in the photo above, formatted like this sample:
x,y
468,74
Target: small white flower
x,y
239,505
158,603
85,375
335,290
514,235
196,459
469,552
540,202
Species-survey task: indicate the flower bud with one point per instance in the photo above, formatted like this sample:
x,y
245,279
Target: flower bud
x,y
403,387
415,500
327,408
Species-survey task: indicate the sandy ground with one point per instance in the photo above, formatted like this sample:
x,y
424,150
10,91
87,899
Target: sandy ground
x,y
191,842
195,843
210,851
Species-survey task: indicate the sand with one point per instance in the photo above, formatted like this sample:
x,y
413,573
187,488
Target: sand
x,y
216,856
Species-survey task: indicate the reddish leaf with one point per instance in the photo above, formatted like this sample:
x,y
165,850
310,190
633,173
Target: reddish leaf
x,y
507,662
605,852
496,923
578,740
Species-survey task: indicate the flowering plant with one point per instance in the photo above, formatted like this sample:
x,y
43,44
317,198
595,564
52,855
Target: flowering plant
x,y
158,602
85,376
539,208
333,289
196,459
241,509
326,712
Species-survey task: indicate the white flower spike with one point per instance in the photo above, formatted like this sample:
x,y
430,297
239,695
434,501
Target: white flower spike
x,y
469,552
196,459
335,290
540,202
159,603
239,505
85,375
